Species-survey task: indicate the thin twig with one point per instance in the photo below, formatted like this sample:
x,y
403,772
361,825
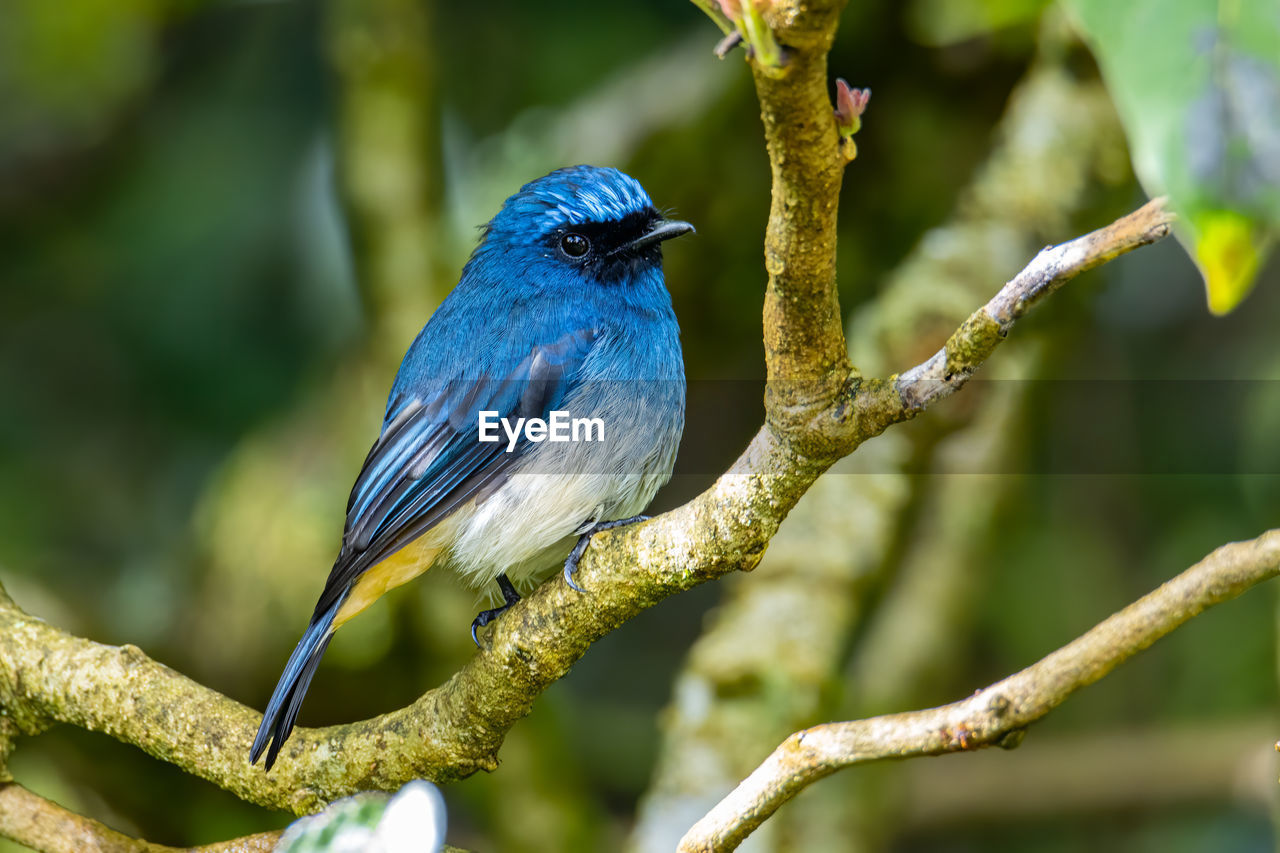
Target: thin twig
x,y
951,366
728,43
717,17
1225,762
995,715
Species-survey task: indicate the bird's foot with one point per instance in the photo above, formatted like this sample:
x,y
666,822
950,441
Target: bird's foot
x,y
484,617
571,562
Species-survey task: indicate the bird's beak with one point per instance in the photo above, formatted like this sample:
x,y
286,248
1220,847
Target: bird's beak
x,y
664,230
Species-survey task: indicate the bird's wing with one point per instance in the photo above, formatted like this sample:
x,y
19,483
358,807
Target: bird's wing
x,y
429,459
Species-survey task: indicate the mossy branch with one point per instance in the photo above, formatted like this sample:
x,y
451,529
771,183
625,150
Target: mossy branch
x,y
44,825
996,715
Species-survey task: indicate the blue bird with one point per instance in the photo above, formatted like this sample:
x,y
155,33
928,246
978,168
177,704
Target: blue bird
x,y
561,318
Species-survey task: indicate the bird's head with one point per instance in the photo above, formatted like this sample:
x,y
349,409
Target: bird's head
x,y
593,222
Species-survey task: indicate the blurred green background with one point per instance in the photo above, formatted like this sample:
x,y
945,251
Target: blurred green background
x,y
221,223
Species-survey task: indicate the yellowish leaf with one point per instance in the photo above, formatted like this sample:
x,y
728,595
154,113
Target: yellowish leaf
x,y
1228,254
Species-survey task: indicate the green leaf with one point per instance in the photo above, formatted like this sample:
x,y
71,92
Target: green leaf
x,y
1197,86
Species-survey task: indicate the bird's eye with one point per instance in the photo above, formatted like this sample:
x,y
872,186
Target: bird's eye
x,y
574,245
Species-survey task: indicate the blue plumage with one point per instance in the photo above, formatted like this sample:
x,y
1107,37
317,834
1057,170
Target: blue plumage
x,y
561,308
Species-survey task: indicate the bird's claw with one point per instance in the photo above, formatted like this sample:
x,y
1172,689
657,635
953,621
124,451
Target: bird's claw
x,y
484,617
580,547
571,562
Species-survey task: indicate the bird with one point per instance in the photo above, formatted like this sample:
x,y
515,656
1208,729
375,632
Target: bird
x,y
561,313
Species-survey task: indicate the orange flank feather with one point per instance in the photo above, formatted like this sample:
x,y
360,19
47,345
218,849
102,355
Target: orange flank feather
x,y
399,568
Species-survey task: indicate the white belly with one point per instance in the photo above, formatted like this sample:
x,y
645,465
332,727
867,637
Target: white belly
x,y
528,526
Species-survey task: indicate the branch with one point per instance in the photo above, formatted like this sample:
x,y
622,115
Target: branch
x,y
43,825
803,329
47,675
824,568
995,715
951,366
1225,763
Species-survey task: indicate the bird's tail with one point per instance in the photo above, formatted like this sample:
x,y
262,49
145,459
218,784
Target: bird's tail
x,y
282,710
